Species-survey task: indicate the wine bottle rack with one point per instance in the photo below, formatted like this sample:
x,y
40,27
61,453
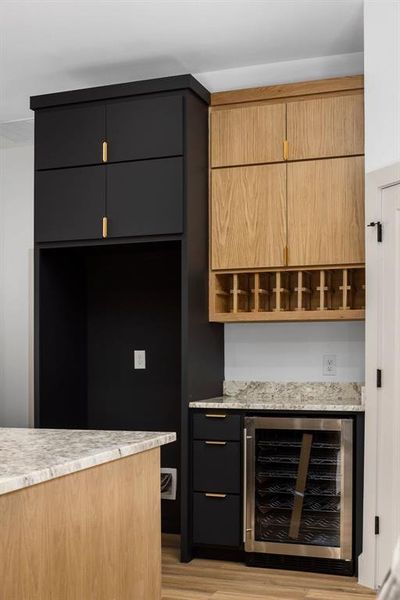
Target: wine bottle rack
x,y
314,294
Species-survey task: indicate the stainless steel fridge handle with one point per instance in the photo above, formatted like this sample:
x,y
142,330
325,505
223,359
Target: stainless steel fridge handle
x,y
244,485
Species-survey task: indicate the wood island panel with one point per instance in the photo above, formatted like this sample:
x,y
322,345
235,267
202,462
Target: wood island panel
x,y
94,534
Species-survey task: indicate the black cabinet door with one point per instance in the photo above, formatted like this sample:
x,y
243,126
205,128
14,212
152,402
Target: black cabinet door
x,y
216,467
145,198
69,136
146,128
216,520
69,204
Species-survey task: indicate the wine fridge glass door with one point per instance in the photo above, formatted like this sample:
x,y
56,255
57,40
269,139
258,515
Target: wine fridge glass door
x,y
299,486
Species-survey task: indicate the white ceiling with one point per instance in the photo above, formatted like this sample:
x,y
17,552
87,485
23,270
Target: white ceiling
x,y
53,45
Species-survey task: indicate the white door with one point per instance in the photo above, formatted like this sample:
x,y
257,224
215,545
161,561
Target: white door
x,y
388,425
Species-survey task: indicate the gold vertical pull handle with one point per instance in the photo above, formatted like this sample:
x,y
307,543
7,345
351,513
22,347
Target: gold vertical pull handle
x,y
105,151
209,495
285,255
105,227
285,150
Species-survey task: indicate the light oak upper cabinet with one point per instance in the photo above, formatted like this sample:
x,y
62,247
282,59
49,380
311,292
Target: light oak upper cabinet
x,y
326,211
247,135
248,217
324,127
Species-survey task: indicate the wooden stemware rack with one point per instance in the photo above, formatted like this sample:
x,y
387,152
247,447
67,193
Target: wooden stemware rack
x,y
312,294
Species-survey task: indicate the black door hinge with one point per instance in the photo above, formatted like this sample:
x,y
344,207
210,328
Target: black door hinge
x,y
379,378
378,226
376,525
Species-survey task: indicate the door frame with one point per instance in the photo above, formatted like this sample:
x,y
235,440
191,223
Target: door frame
x,y
375,183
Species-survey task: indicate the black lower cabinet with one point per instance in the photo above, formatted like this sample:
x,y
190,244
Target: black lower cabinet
x,y
216,466
216,519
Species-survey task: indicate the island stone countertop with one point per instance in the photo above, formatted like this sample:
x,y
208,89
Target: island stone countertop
x,y
31,456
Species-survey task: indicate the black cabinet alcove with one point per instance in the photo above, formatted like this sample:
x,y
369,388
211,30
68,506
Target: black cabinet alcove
x,y
139,283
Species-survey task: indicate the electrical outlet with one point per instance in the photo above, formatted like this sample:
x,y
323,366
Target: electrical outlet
x,y
139,359
329,365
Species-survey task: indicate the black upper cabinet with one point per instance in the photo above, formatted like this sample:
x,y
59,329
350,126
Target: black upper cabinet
x,y
145,197
69,204
69,136
122,153
145,128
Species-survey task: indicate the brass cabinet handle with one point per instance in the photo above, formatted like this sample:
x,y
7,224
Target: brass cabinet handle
x,y
215,443
209,495
215,416
105,151
285,255
285,150
105,227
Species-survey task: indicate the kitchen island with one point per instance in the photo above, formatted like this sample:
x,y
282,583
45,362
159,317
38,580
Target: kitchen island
x,y
80,514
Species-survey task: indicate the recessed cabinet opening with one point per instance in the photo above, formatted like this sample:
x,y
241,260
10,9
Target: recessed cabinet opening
x,y
98,305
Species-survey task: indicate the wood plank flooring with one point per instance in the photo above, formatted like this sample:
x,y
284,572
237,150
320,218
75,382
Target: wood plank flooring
x,y
218,580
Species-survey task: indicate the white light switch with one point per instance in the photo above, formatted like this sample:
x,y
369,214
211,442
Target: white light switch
x,y
329,365
139,359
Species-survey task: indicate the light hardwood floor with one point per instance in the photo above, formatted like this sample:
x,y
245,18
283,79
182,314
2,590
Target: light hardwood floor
x,y
217,580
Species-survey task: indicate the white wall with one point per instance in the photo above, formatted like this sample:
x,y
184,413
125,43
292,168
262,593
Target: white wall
x,y
255,351
382,83
293,351
382,148
16,269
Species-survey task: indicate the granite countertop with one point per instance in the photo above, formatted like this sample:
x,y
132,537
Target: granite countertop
x,y
31,456
238,402
292,395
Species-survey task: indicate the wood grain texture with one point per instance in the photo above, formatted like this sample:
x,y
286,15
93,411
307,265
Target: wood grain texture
x,y
304,88
248,216
325,127
219,580
247,135
306,315
326,211
94,534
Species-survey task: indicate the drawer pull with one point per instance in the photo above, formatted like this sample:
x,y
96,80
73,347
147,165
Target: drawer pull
x,y
215,443
215,416
209,495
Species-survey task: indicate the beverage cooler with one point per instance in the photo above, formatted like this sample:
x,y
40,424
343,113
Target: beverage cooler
x,y
298,487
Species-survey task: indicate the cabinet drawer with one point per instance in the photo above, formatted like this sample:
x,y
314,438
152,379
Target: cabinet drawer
x,y
145,128
216,520
216,466
214,425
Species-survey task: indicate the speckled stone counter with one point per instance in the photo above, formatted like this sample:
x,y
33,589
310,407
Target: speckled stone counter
x,y
270,395
31,456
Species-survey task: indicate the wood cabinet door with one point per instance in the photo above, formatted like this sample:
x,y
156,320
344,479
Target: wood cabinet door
x,y
247,135
326,211
324,127
145,197
248,217
145,128
69,136
69,204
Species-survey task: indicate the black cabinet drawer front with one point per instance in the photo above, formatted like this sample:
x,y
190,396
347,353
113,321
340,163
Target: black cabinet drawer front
x,y
69,204
216,520
69,136
145,197
214,425
216,466
146,128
